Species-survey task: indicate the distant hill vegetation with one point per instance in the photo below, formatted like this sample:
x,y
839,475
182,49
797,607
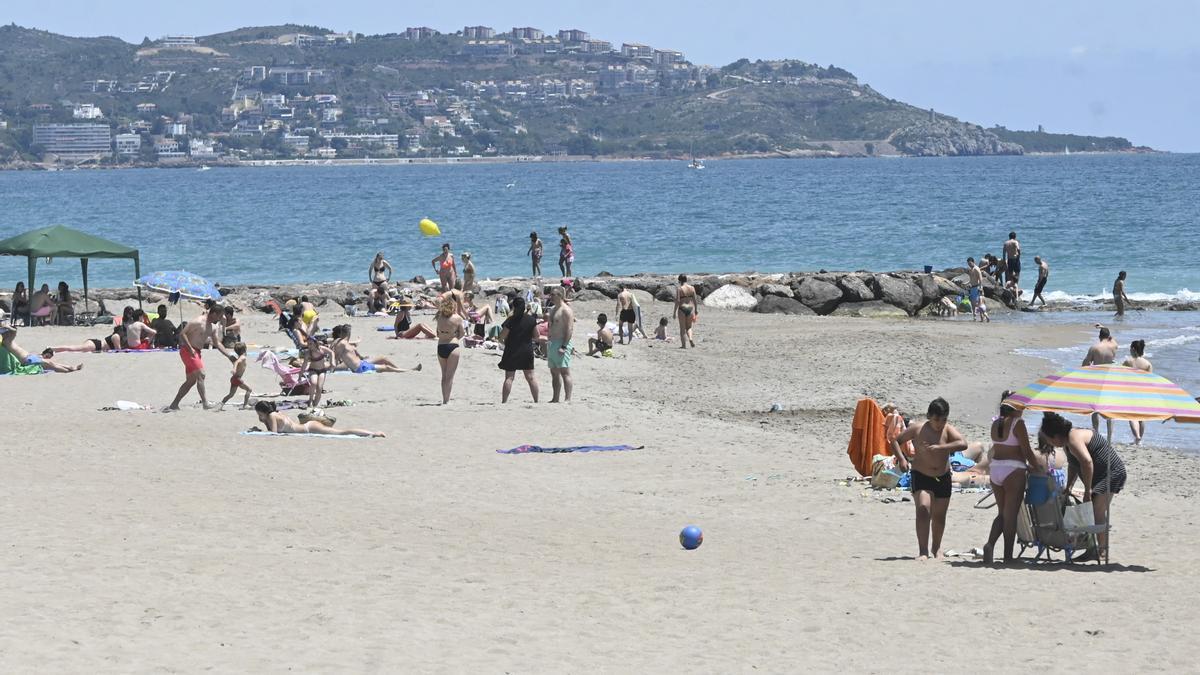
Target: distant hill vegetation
x,y
445,94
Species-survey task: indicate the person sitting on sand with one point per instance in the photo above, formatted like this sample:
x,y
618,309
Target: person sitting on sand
x,y
660,333
41,306
165,332
1137,359
603,341
405,330
934,440
9,342
64,305
479,316
279,423
20,303
1012,458
687,310
347,353
235,381
231,328
138,335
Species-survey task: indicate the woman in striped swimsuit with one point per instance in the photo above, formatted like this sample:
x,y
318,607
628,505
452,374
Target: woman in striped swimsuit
x,y
1092,459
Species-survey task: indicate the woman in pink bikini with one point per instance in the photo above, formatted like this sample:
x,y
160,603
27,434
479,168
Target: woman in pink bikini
x,y
1012,458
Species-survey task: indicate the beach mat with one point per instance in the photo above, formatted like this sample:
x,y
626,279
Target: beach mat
x,y
526,449
269,433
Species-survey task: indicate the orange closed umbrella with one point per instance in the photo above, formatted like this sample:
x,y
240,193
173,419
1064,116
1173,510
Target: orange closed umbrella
x,y
867,437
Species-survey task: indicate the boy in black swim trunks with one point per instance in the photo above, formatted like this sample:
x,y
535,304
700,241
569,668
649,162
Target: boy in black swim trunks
x,y
934,441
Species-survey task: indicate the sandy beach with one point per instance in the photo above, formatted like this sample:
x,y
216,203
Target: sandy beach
x,y
142,541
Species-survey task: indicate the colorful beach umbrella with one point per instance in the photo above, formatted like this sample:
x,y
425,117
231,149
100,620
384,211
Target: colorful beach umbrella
x,y
1115,392
186,284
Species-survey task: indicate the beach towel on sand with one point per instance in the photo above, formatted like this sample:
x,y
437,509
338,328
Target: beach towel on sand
x,y
523,449
270,433
867,436
11,365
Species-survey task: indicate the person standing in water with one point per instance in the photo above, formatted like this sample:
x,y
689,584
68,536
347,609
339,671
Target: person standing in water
x,y
1119,297
535,254
566,252
1043,277
1102,353
934,441
1136,359
974,286
443,264
687,311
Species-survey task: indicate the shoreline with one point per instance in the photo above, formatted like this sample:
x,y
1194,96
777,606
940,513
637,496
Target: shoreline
x,y
521,159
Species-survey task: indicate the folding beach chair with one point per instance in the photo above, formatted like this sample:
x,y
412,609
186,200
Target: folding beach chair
x,y
1041,524
292,381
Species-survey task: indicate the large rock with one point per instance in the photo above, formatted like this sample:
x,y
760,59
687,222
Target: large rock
x,y
871,309
607,288
819,296
930,290
774,304
665,293
899,292
731,296
855,289
774,290
946,138
589,295
706,284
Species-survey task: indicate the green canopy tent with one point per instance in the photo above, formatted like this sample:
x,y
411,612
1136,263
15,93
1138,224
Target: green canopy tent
x,y
58,241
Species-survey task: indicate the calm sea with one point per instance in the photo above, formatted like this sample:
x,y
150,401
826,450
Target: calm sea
x,y
1088,215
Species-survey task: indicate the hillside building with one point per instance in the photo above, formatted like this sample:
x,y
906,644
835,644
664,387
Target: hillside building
x,y
128,145
478,33
528,33
74,142
488,48
573,35
420,33
634,50
87,111
177,41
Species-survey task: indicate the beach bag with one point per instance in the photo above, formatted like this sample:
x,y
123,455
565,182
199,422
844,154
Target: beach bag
x,y
883,475
314,416
1079,516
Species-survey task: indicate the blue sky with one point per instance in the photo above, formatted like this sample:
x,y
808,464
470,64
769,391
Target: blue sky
x,y
1101,67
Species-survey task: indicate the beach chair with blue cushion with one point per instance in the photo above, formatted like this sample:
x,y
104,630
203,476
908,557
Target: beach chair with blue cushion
x,y
1043,524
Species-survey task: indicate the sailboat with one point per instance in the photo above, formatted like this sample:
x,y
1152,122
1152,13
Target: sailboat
x,y
695,163
1066,149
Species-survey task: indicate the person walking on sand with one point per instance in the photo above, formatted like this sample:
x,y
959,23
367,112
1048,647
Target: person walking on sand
x,y
566,252
974,286
1012,457
934,440
517,334
192,337
687,311
559,350
1137,359
1119,297
444,265
535,254
1012,259
626,314
449,331
1043,277
235,381
1102,353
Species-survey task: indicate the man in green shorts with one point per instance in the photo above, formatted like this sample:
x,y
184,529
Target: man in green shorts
x,y
558,353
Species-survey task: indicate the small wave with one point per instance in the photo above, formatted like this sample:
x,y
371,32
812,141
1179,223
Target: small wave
x,y
1173,341
1181,295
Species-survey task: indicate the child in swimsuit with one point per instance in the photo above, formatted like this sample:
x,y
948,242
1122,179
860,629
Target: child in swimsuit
x,y
236,382
603,341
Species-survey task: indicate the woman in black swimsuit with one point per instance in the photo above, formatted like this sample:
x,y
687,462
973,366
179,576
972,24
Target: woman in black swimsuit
x,y
318,360
449,332
110,343
518,334
1092,459
381,271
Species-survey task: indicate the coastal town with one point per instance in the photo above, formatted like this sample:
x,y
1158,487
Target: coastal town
x,y
300,109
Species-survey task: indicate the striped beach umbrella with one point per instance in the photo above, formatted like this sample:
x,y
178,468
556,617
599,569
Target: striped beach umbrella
x,y
1115,392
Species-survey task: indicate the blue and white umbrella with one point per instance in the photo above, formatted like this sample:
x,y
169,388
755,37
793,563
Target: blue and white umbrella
x,y
179,282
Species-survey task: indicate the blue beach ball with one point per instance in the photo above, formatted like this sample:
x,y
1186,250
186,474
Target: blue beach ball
x,y
691,537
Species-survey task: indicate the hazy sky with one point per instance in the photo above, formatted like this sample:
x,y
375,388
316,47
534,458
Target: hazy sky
x,y
1107,67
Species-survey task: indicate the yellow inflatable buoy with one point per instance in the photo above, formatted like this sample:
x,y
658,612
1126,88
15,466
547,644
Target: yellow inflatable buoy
x,y
429,228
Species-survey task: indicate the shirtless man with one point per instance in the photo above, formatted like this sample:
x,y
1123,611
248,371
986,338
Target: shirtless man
x,y
1012,258
1043,277
934,440
1099,354
41,299
626,314
347,353
1119,297
138,335
558,351
687,311
974,286
192,338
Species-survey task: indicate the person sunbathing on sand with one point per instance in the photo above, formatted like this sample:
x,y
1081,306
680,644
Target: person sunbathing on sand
x,y
279,423
347,353
10,343
110,343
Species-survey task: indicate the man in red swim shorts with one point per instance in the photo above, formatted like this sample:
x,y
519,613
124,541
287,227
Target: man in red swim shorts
x,y
192,337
